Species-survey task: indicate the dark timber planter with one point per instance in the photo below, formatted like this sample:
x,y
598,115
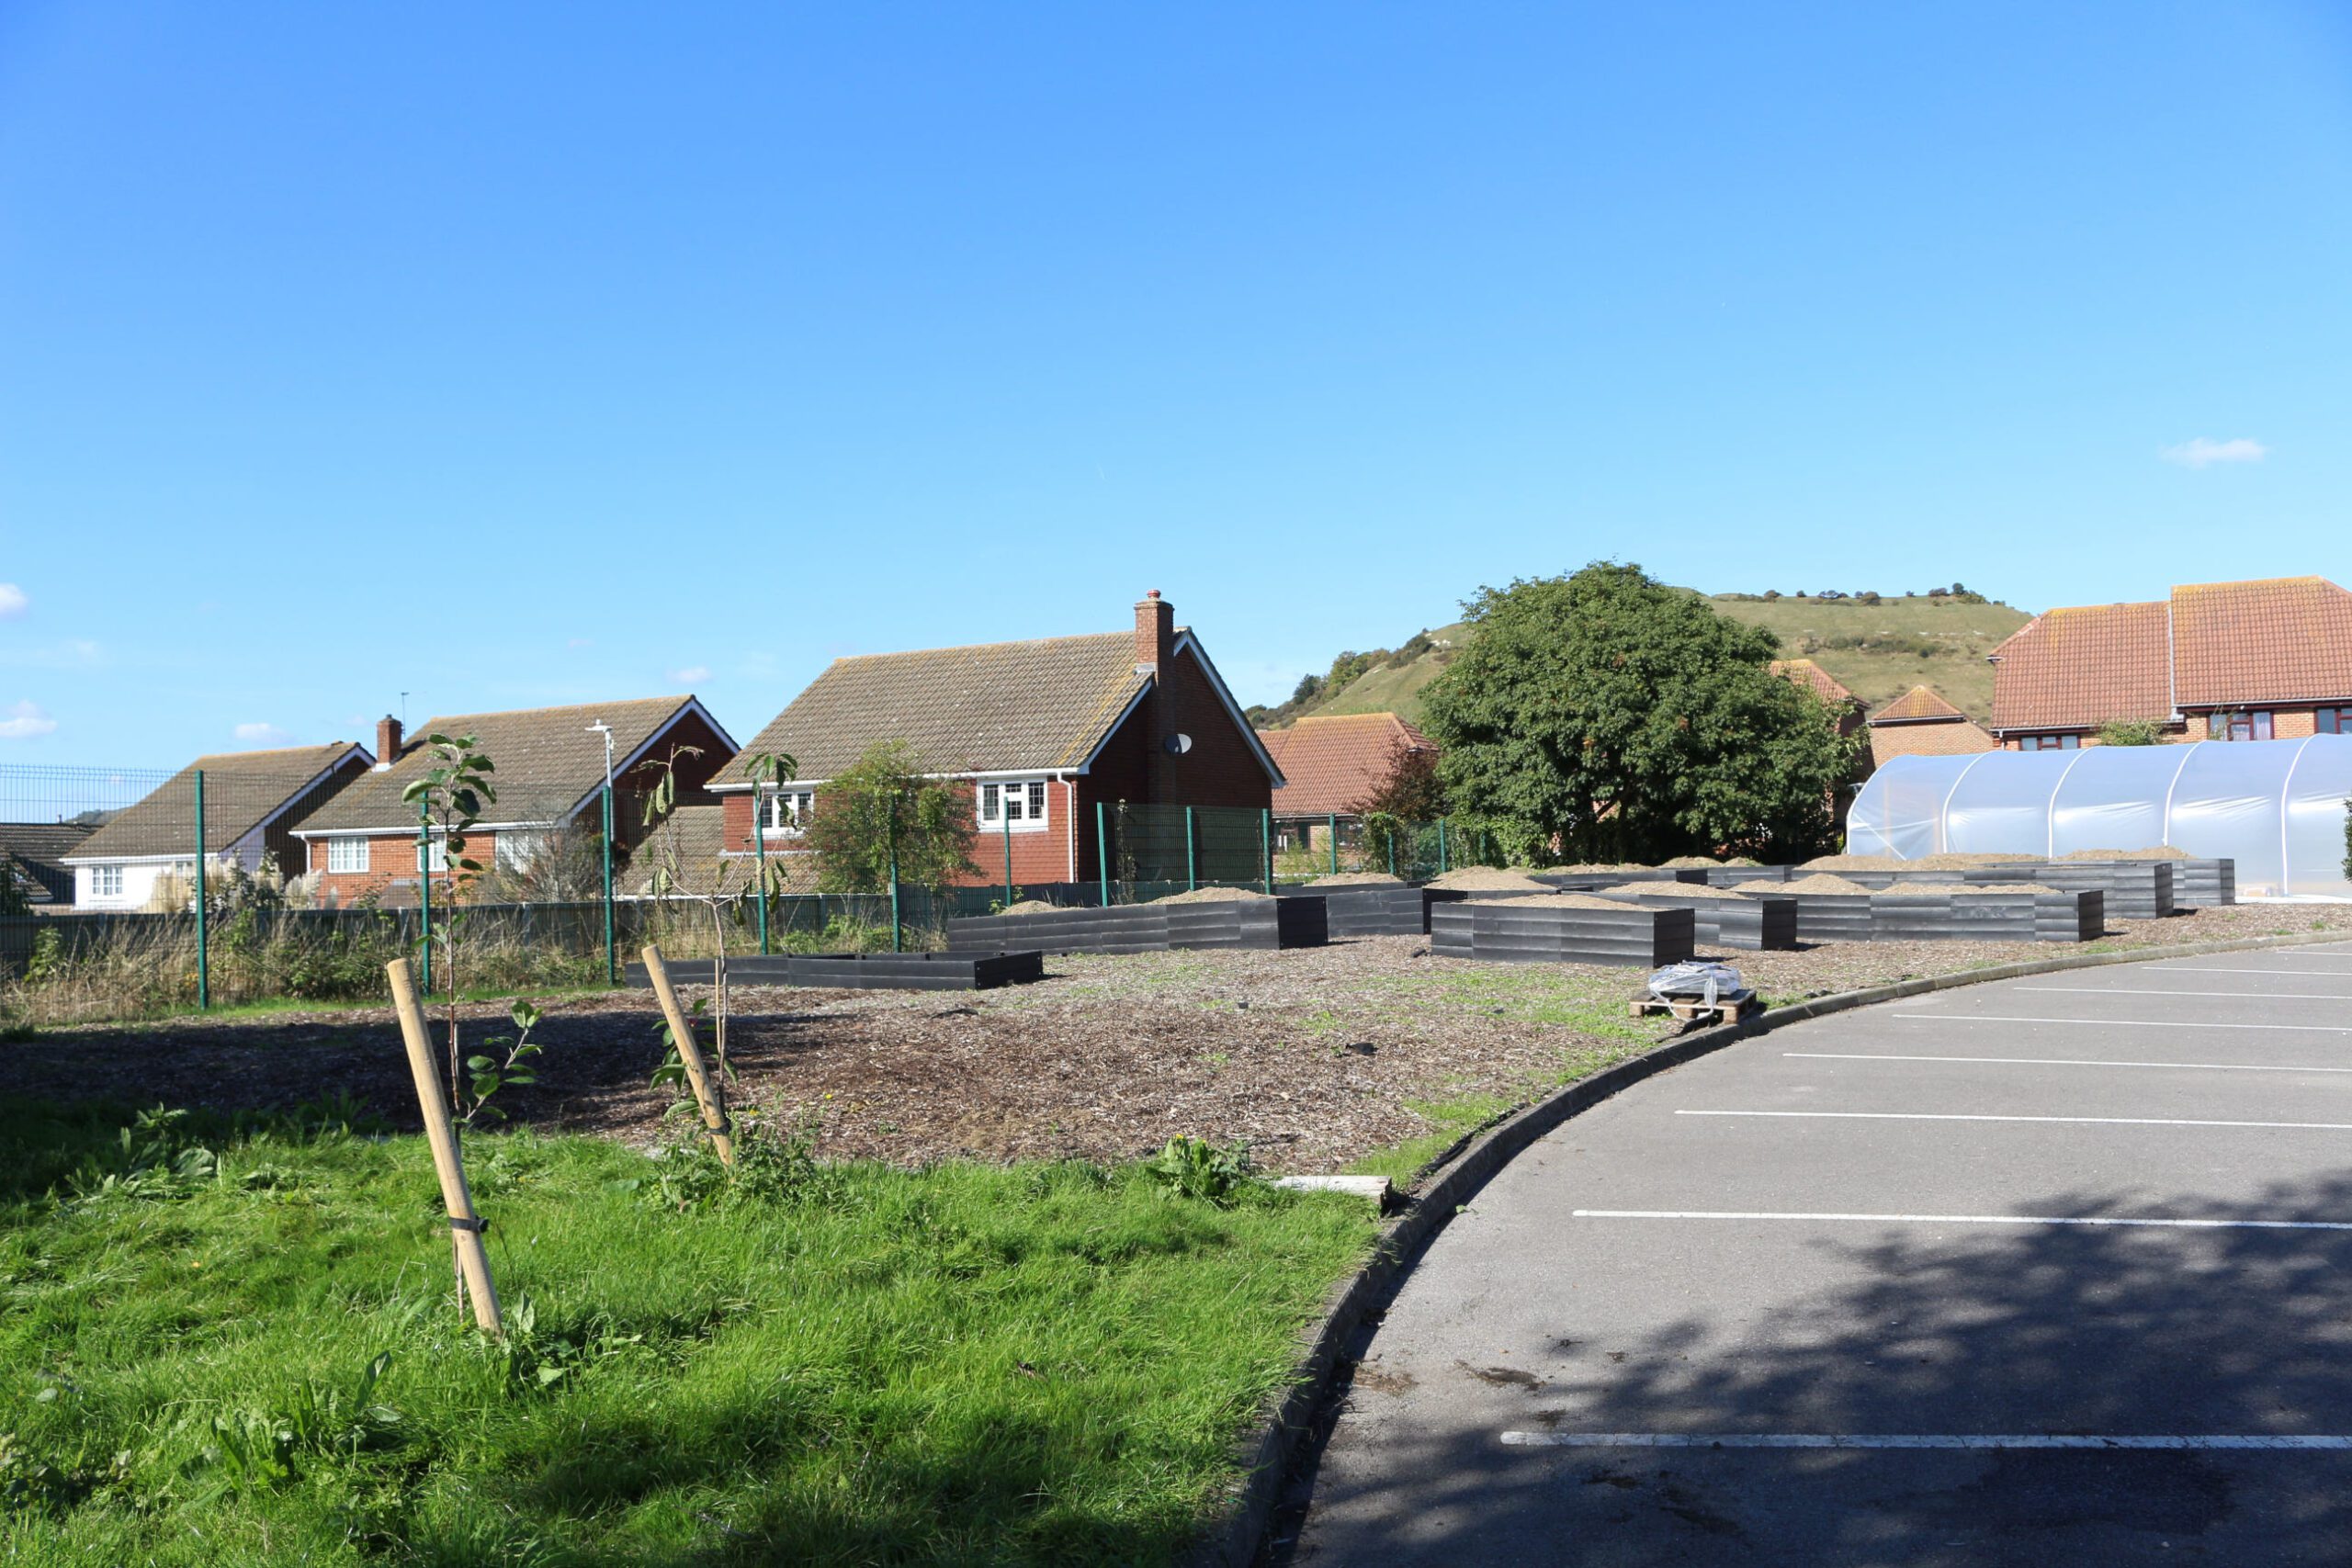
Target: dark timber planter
x,y
1757,923
1734,875
1370,909
867,971
1299,922
1512,931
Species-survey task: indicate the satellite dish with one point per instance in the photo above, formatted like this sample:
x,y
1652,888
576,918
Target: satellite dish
x,y
1177,744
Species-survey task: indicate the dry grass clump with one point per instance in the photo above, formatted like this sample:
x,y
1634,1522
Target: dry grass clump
x,y
1817,882
1213,896
1486,879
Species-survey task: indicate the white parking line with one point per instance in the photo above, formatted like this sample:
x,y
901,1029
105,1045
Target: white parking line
x,y
2085,1120
2058,1062
2146,991
1921,1440
2244,973
2095,1220
2122,1022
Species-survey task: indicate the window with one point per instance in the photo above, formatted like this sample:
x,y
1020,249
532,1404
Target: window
x,y
106,882
1016,806
2049,743
788,811
346,854
436,858
2334,721
516,852
2240,726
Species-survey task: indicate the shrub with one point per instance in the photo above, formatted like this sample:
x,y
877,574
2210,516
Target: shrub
x,y
2129,732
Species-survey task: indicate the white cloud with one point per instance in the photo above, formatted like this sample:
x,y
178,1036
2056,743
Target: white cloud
x,y
26,721
691,675
268,734
2203,452
13,601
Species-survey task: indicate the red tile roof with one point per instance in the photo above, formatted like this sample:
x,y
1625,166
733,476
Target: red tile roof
x,y
2247,644
2078,668
1333,762
1805,672
1920,705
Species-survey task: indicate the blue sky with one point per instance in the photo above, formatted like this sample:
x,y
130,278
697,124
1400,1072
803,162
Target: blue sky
x,y
507,355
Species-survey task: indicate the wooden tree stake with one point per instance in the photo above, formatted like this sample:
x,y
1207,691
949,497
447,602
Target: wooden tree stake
x,y
465,1225
706,1094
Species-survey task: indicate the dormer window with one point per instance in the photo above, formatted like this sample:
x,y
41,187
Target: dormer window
x,y
1012,805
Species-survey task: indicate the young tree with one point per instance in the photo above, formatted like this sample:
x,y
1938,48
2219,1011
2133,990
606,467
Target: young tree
x,y
449,801
720,885
883,803
1616,718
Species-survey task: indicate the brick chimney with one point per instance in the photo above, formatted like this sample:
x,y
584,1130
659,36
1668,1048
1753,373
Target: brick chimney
x,y
1155,632
388,741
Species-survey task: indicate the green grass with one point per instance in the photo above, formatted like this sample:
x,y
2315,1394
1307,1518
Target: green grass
x,y
1045,1363
276,1006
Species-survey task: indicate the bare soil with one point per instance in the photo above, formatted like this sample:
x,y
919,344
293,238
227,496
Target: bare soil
x,y
1317,1057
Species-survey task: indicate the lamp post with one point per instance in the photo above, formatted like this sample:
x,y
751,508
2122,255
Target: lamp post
x,y
612,971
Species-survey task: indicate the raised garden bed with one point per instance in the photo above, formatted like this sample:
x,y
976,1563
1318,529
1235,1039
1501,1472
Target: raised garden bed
x,y
867,971
1375,910
1759,923
1921,914
1523,931
1299,922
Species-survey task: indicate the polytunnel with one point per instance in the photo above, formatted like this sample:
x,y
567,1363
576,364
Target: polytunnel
x,y
2277,807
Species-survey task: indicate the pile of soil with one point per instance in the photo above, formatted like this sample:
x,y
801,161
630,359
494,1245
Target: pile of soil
x,y
1818,883
1569,901
1359,879
1486,879
1590,868
1213,896
1970,862
1859,862
1974,888
1679,889
1032,906
2155,851
1701,863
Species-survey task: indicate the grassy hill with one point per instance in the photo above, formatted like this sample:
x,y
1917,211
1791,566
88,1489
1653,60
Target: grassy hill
x,y
1878,650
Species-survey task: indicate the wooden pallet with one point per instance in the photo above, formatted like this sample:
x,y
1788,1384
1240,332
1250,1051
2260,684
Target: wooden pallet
x,y
1696,1012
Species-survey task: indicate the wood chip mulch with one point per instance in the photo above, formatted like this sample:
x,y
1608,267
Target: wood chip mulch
x,y
1314,1056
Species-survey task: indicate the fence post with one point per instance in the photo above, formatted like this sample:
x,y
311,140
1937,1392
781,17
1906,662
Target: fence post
x,y
203,947
1335,843
896,938
612,962
760,853
1192,859
424,901
1440,846
1392,851
1103,852
1004,817
1266,846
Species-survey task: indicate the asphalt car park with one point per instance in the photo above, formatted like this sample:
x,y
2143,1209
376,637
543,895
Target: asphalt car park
x,y
2052,1271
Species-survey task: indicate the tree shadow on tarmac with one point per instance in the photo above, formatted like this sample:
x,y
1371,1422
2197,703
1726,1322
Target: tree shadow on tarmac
x,y
1990,1329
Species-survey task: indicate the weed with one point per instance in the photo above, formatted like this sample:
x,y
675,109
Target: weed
x,y
1195,1167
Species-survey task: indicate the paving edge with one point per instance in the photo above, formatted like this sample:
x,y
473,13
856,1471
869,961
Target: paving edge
x,y
1234,1541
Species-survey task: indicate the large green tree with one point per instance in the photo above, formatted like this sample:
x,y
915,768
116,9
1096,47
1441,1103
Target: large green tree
x,y
1617,718
883,803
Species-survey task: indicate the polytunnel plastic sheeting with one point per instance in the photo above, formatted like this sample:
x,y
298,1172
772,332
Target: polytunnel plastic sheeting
x,y
2277,807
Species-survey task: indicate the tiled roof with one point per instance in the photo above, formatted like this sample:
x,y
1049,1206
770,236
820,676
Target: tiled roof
x,y
1949,739
1805,672
2080,667
546,762
700,837
1920,705
992,707
1333,762
2244,644
241,791
33,851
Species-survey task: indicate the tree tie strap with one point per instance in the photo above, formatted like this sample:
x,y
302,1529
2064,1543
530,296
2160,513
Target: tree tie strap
x,y
478,1226
722,1128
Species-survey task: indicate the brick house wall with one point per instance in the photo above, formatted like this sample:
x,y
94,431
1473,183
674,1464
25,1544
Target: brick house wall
x,y
2286,724
391,858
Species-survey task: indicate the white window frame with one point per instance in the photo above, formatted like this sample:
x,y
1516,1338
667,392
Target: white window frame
x,y
437,854
342,850
785,813
101,876
1029,799
515,849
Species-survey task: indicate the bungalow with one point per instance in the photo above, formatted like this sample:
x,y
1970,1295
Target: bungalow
x,y
1922,723
254,801
1043,730
551,765
1332,762
2257,661
35,855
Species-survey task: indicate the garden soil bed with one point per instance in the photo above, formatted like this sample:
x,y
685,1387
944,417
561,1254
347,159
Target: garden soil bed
x,y
1315,1057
